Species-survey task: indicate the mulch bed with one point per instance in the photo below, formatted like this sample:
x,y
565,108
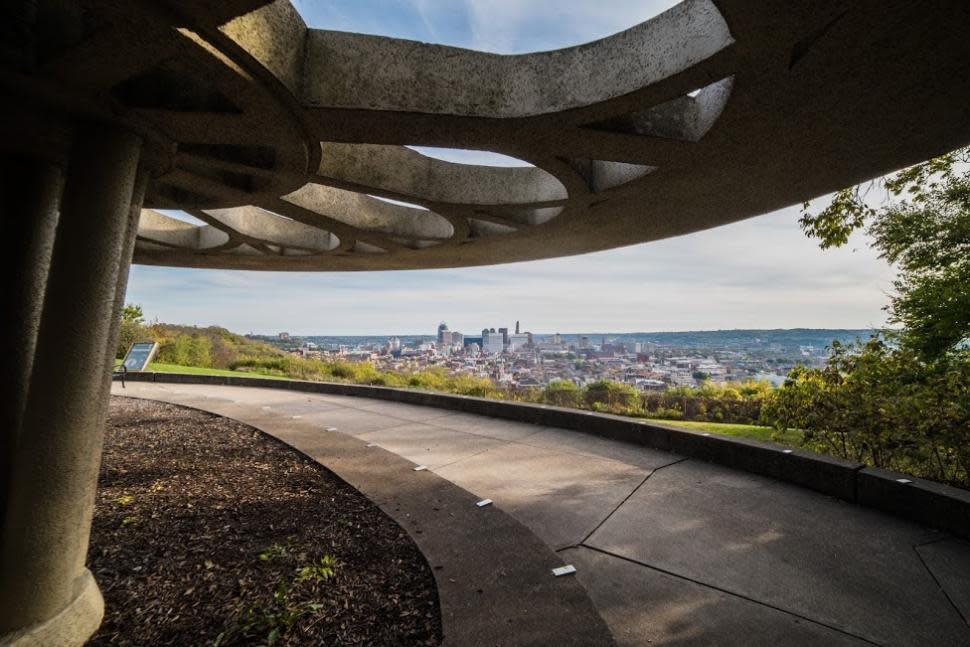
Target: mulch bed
x,y
207,532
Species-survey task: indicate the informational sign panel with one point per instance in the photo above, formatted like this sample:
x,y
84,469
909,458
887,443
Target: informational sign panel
x,y
140,355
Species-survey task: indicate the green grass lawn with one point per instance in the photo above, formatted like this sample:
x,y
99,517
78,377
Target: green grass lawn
x,y
195,370
753,432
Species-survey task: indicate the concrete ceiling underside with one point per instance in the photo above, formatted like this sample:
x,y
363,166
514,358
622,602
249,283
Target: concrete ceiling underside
x,y
288,145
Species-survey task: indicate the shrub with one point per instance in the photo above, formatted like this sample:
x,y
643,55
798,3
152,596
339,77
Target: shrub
x,y
884,406
128,333
611,396
563,393
668,414
738,403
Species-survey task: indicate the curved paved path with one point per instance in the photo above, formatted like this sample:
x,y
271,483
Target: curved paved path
x,y
672,551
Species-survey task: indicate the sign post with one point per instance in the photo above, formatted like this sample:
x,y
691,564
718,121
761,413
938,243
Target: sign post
x,y
140,355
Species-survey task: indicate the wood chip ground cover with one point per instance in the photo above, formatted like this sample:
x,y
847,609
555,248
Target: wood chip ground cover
x,y
207,532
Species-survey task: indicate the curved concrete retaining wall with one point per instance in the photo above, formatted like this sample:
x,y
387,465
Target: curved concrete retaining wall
x,y
926,502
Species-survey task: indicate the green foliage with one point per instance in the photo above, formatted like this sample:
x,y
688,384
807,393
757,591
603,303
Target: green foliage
x,y
272,620
846,214
132,328
205,347
199,351
734,402
924,230
322,570
753,432
276,551
606,395
900,401
132,313
883,404
563,393
130,332
185,350
267,621
665,413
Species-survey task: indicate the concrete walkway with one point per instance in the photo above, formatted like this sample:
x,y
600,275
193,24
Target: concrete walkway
x,y
671,551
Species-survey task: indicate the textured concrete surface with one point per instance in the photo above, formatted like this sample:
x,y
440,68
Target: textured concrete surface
x,y
564,440
561,496
711,112
672,551
841,565
949,562
483,426
645,606
432,446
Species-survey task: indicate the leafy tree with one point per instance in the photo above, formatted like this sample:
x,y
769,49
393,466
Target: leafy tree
x,y
924,230
902,399
198,350
132,313
132,329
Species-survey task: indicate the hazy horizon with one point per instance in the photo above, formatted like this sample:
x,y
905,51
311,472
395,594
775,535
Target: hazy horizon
x,y
564,333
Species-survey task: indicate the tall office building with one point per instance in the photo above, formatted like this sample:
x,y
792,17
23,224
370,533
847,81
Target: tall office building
x,y
518,341
493,345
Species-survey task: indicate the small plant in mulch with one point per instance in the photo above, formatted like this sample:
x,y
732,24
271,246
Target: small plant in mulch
x,y
266,621
276,551
322,570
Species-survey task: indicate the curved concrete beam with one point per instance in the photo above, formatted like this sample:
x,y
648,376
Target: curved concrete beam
x,y
712,112
354,70
410,174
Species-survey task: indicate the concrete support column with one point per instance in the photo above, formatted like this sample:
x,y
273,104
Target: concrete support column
x,y
30,193
121,284
47,596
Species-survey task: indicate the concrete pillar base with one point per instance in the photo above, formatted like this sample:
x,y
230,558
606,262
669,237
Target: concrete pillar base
x,y
71,627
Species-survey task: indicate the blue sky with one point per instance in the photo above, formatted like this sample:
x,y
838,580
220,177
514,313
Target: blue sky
x,y
760,273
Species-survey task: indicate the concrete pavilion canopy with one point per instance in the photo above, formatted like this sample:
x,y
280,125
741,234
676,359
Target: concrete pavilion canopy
x,y
279,137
